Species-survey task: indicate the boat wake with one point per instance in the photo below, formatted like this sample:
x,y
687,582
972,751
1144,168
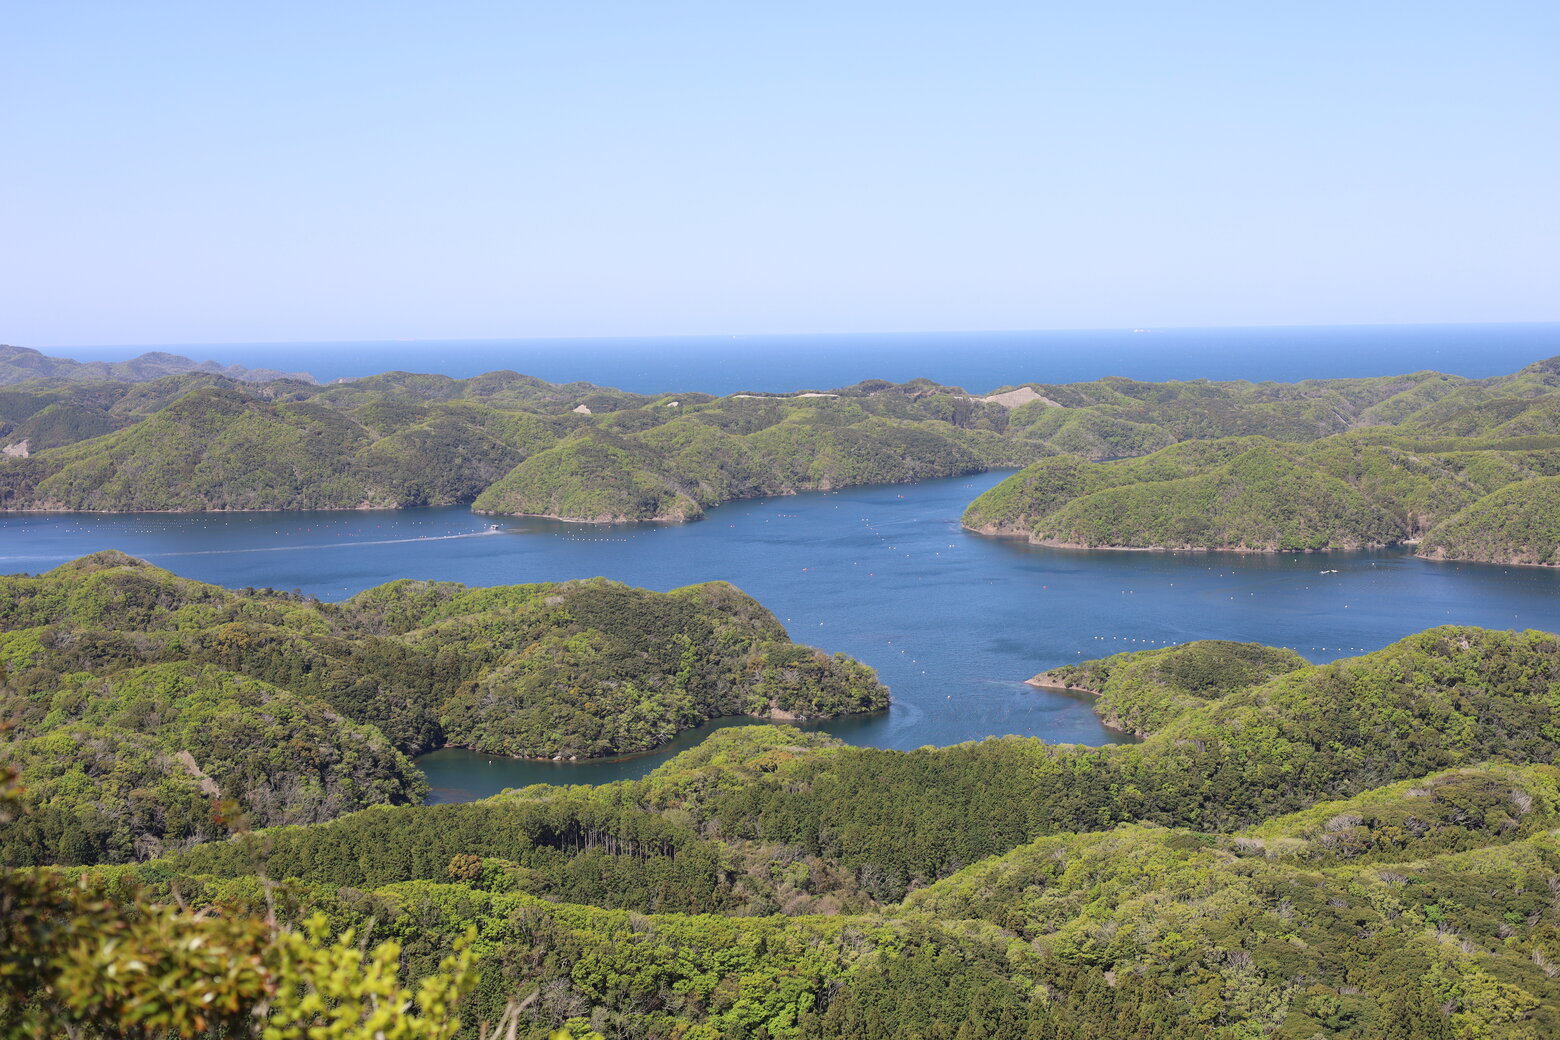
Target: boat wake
x,y
310,548
52,557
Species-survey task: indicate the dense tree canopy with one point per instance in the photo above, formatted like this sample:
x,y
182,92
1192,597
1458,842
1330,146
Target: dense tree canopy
x,y
1467,499
513,444
1364,849
136,695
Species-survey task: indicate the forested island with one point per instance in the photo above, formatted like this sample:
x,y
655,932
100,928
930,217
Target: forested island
x,y
135,696
1362,849
1455,466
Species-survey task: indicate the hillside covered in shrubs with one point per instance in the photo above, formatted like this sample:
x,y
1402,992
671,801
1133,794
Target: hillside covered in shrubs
x,y
134,696
511,444
1363,849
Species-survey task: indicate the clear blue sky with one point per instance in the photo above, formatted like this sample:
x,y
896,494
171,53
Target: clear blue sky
x,y
216,172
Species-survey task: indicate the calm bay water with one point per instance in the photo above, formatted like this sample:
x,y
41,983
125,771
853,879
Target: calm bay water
x,y
953,622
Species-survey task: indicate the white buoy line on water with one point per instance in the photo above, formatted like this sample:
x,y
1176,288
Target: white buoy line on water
x,y
1182,642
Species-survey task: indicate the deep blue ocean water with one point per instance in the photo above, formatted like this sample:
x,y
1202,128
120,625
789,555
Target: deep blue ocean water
x,y
953,622
977,361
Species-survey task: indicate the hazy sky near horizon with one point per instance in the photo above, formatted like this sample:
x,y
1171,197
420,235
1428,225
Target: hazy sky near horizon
x,y
197,172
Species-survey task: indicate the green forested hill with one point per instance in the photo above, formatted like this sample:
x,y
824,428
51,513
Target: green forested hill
x,y
675,470
1364,489
595,475
506,442
1248,473
218,448
124,766
133,694
1444,698
515,444
1142,691
1365,849
1519,523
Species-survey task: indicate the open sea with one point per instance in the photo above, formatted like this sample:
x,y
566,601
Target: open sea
x,y
952,622
977,361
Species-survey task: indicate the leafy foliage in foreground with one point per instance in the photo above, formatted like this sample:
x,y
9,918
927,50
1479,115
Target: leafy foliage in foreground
x,y
76,962
137,695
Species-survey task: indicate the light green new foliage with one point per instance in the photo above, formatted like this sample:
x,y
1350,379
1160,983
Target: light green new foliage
x,y
1452,811
136,695
1141,691
1517,524
132,759
594,476
1362,850
1243,930
1362,489
514,444
79,961
332,991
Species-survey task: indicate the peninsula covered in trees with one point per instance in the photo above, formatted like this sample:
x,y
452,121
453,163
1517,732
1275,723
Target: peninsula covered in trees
x,y
1363,849
135,696
1481,499
1327,463
1467,476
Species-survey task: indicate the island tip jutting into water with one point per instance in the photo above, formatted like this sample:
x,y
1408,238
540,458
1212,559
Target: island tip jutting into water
x,y
214,823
